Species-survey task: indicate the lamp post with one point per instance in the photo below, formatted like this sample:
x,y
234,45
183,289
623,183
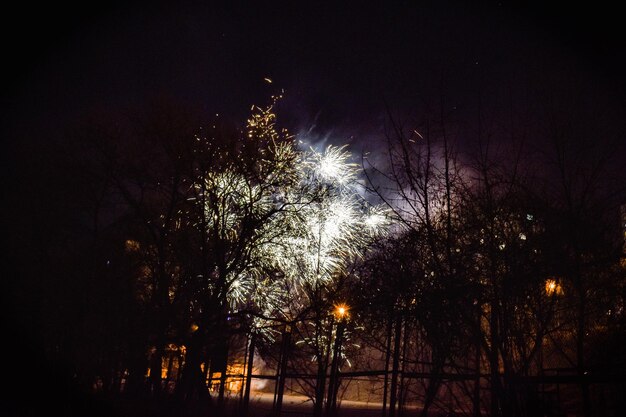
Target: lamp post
x,y
282,371
341,314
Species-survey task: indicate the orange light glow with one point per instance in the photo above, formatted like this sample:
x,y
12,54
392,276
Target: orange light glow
x,y
553,287
131,246
234,378
341,311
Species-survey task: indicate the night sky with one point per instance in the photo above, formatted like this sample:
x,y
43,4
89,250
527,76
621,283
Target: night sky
x,y
340,66
342,69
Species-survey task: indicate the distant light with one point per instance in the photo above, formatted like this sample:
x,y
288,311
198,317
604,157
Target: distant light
x,y
553,287
131,245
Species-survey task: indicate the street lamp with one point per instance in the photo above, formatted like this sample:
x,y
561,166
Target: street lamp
x,y
341,311
341,314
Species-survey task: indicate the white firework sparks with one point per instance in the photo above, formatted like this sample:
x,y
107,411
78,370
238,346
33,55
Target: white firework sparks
x,y
315,222
333,224
333,165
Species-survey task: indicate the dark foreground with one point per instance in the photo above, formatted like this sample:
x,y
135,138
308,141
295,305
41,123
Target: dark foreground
x,y
101,406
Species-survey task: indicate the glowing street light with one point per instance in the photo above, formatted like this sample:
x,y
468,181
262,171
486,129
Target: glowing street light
x,y
341,311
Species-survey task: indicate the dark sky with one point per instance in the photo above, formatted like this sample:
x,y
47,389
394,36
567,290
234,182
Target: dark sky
x,y
339,65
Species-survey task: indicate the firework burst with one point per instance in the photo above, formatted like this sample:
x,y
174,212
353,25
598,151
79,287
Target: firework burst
x,y
290,221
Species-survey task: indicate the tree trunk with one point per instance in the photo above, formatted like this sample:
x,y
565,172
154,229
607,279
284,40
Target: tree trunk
x,y
283,370
218,354
320,385
333,383
476,393
403,386
387,358
155,369
246,395
394,370
493,362
192,380
580,350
